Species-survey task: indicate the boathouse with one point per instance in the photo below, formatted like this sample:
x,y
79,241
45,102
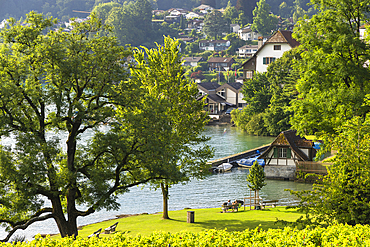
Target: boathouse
x,y
285,152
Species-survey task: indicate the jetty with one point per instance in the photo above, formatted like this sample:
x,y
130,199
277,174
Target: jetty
x,y
235,157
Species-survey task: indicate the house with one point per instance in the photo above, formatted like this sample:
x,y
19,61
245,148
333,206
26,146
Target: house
x,y
192,61
204,8
234,28
177,11
220,63
231,92
282,156
214,102
221,97
214,45
195,24
172,19
247,50
187,39
192,15
272,49
246,33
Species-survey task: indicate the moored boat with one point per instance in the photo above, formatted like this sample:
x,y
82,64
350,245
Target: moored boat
x,y
224,167
250,161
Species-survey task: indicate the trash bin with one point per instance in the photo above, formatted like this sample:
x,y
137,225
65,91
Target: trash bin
x,y
190,217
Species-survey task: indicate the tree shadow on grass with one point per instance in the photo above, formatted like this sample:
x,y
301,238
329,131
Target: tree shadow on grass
x,y
239,225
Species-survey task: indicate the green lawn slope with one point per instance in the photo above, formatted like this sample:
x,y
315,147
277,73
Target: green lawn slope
x,y
210,218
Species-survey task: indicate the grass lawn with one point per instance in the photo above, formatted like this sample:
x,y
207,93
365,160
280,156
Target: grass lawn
x,y
209,218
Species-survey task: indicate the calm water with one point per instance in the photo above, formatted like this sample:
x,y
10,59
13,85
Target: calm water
x,y
209,192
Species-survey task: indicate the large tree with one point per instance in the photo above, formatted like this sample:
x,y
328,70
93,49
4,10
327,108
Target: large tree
x,y
54,82
132,22
263,21
215,24
162,76
247,6
334,67
344,194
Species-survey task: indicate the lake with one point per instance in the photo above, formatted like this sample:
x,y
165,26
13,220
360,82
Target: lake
x,y
210,192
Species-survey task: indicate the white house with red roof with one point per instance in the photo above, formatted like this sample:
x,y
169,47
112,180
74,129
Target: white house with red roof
x,y
272,49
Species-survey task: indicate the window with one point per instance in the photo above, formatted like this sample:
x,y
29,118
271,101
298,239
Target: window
x,y
221,93
282,153
249,74
268,60
277,47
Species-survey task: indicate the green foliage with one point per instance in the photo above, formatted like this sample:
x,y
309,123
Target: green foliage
x,y
246,7
50,83
215,25
344,194
132,23
269,96
180,119
231,14
337,235
334,76
263,21
256,177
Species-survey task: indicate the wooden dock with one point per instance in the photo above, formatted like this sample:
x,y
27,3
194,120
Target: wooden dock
x,y
233,158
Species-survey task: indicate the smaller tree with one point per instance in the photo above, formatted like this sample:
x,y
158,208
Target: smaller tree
x,y
256,179
215,24
263,21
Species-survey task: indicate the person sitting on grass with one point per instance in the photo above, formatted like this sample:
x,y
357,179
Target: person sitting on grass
x,y
235,206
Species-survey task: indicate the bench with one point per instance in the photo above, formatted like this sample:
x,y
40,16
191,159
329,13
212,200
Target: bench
x,y
226,207
97,233
271,203
111,229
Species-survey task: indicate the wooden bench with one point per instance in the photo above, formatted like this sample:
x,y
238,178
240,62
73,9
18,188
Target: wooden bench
x,y
227,207
271,203
97,233
111,229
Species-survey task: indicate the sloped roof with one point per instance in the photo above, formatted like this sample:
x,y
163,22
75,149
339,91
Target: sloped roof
x,y
209,85
213,98
290,138
249,46
234,86
213,41
220,59
281,36
192,59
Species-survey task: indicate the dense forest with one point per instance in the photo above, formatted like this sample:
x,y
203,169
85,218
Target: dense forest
x,y
65,9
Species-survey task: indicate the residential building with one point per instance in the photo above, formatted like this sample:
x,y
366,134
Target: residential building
x,y
246,33
214,45
204,8
285,152
272,49
221,97
177,11
192,15
192,61
234,28
247,50
195,24
220,63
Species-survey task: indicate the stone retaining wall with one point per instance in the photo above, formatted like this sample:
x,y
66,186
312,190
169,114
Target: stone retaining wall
x,y
280,172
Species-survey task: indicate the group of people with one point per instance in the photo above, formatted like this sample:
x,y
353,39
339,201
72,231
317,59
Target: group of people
x,y
232,205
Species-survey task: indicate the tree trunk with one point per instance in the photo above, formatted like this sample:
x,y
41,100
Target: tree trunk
x,y
164,187
66,228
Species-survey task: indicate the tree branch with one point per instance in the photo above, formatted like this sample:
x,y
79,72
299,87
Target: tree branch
x,y
24,226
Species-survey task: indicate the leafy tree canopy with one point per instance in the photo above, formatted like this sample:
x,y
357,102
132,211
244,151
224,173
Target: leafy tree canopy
x,y
263,21
334,72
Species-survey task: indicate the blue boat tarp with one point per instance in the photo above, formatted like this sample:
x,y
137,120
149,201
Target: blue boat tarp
x,y
250,162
